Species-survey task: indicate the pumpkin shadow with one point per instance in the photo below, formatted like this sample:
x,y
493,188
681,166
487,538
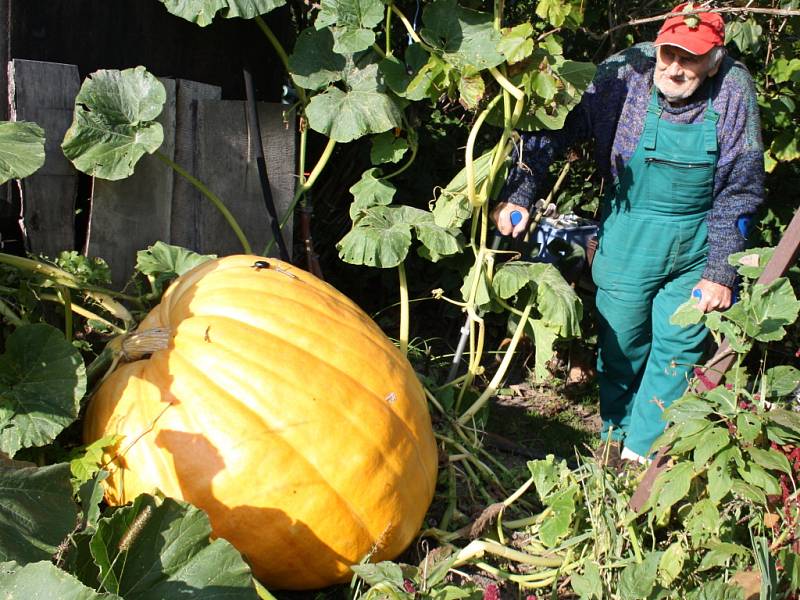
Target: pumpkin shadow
x,y
197,462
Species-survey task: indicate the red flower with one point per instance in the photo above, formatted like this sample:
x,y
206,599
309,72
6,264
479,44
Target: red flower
x,y
491,592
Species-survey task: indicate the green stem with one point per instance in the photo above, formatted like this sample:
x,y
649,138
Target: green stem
x,y
301,93
404,319
469,164
66,298
9,315
305,187
501,371
215,200
408,163
387,31
80,310
478,548
451,498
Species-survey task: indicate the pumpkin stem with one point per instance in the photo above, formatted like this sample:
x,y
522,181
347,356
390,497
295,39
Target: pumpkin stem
x,y
141,343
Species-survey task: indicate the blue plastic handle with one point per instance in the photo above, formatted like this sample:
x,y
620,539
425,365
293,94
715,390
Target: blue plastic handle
x,y
743,224
697,294
516,217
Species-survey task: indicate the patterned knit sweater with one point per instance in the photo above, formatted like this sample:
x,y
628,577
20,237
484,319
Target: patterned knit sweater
x,y
612,113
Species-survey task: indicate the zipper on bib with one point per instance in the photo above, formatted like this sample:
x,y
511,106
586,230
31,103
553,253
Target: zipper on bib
x,y
675,163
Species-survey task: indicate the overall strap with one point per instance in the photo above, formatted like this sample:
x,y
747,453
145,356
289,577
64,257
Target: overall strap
x,y
650,133
710,120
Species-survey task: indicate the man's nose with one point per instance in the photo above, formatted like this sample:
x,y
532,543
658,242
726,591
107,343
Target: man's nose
x,y
674,69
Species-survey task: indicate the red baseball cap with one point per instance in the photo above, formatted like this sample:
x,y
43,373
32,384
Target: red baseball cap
x,y
694,33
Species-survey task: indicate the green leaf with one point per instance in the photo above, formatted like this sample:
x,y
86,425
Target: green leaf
x,y
21,149
559,523
382,572
638,579
517,43
370,191
471,90
314,64
720,553
354,20
90,495
687,314
745,34
769,459
544,85
437,240
36,512
686,408
482,295
162,263
114,122
577,74
42,381
725,400
671,563
420,76
546,474
46,581
711,442
387,148
559,305
785,147
781,380
751,263
588,586
749,492
466,38
703,521
786,419
203,12
452,207
163,550
770,308
674,487
544,337
381,238
783,70
719,474
748,427
554,11
364,108
88,459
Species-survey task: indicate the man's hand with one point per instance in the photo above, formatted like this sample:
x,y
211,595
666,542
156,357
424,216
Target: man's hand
x,y
712,296
502,218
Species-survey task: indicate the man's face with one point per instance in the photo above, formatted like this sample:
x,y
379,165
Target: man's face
x,y
679,73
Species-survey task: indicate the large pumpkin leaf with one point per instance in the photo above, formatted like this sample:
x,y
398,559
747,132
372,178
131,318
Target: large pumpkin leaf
x,y
114,122
161,263
203,12
314,64
42,380
364,108
153,550
414,77
45,580
21,149
466,38
544,337
353,20
370,191
387,148
381,238
517,43
36,512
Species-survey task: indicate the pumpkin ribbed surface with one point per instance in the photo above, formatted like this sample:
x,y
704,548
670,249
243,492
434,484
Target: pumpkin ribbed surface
x,y
282,410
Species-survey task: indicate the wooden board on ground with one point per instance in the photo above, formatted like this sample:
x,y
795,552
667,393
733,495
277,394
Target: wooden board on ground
x,y
226,163
131,214
45,93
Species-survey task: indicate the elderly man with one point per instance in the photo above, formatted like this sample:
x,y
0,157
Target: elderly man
x,y
677,134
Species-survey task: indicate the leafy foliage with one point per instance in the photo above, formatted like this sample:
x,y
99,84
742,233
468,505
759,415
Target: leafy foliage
x,y
21,149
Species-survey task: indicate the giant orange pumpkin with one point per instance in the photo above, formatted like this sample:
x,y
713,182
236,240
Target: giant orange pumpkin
x,y
284,412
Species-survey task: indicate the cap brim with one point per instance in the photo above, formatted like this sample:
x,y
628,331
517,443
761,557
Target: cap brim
x,y
698,47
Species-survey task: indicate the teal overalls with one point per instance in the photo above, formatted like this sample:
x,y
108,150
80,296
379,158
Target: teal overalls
x,y
652,252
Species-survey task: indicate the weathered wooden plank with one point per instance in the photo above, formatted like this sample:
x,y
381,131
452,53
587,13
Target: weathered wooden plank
x,y
226,163
184,228
133,213
45,93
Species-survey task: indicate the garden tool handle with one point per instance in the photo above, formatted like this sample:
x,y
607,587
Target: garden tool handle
x,y
515,217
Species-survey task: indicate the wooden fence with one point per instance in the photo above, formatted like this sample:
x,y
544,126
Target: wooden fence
x,y
203,134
